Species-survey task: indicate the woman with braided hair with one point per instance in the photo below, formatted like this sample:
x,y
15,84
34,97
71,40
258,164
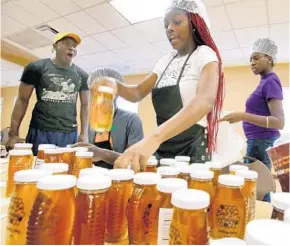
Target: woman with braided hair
x,y
187,91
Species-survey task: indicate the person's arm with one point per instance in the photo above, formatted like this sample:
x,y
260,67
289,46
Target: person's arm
x,y
84,95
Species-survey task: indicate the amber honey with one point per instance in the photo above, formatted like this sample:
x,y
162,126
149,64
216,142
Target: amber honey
x,y
18,160
234,168
91,210
189,222
168,172
139,206
55,168
184,171
21,205
82,160
250,191
119,194
161,212
151,166
40,154
280,202
68,157
216,167
101,109
229,208
52,155
52,216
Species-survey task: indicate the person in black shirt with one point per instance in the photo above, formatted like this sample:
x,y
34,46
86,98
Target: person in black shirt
x,y
57,82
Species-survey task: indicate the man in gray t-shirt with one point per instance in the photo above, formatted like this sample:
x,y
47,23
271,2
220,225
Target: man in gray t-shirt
x,y
126,129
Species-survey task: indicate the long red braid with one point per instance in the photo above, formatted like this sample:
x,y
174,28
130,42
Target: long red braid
x,y
202,36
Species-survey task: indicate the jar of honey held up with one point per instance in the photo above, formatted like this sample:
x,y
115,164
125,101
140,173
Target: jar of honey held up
x,y
151,166
67,157
168,172
52,155
52,216
267,232
55,168
18,160
184,172
216,167
26,146
91,210
200,166
167,162
161,212
229,208
189,222
119,194
40,154
82,160
228,241
21,205
250,191
280,202
93,172
234,168
140,203
183,159
287,216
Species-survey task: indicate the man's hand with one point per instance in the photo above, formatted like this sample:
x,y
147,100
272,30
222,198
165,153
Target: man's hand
x,y
92,148
12,140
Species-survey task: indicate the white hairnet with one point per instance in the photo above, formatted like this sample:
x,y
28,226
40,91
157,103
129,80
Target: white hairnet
x,y
266,46
105,72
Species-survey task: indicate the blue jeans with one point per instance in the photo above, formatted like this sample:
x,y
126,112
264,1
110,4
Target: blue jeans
x,y
60,139
256,148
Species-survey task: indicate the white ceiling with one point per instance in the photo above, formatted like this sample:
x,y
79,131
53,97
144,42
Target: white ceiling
x,y
108,39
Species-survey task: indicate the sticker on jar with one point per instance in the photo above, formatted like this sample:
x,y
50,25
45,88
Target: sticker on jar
x,y
164,221
38,163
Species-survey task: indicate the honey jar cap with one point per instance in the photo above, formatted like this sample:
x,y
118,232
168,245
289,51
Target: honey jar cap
x,y
46,146
106,89
190,199
183,168
228,241
231,180
234,168
84,154
287,216
247,174
152,162
182,158
80,149
93,171
57,182
66,150
171,185
281,200
30,175
20,152
199,166
121,174
146,178
215,165
54,167
167,162
180,163
52,151
23,145
201,174
167,171
267,232
94,183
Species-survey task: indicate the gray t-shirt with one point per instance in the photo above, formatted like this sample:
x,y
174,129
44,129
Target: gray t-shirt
x,y
127,130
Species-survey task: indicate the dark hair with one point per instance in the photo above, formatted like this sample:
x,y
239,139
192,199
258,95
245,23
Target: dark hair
x,y
202,36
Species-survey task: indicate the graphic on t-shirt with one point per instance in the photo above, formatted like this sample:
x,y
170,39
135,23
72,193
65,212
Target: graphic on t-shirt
x,y
58,88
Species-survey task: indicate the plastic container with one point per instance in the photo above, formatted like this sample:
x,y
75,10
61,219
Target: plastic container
x,y
68,157
23,146
168,172
228,241
40,154
287,216
199,166
151,166
82,160
280,202
52,155
182,159
216,167
184,171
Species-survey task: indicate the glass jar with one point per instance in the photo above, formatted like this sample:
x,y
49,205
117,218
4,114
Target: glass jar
x,y
280,202
52,155
82,160
161,212
167,162
119,195
21,205
168,172
67,157
140,203
184,172
229,208
189,222
91,210
93,171
40,154
234,168
55,168
216,167
151,166
250,191
52,216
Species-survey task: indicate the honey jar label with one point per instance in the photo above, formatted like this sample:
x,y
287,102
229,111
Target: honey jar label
x,y
38,163
164,221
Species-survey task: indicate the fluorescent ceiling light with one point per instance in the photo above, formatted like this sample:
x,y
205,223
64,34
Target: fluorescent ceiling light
x,y
140,10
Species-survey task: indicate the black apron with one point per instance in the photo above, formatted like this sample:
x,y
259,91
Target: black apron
x,y
192,142
104,145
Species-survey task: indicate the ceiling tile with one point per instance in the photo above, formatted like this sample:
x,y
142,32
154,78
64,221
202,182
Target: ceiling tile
x,y
18,14
85,22
249,8
103,59
62,7
154,29
226,40
11,76
38,9
231,1
107,16
63,25
211,3
90,46
87,3
283,53
43,52
109,40
9,26
246,37
219,19
278,11
280,33
247,52
130,36
232,55
164,47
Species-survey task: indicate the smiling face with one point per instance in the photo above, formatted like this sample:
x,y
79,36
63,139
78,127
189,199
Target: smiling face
x,y
178,29
66,50
261,63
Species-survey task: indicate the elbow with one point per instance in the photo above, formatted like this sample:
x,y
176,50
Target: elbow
x,y
207,105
